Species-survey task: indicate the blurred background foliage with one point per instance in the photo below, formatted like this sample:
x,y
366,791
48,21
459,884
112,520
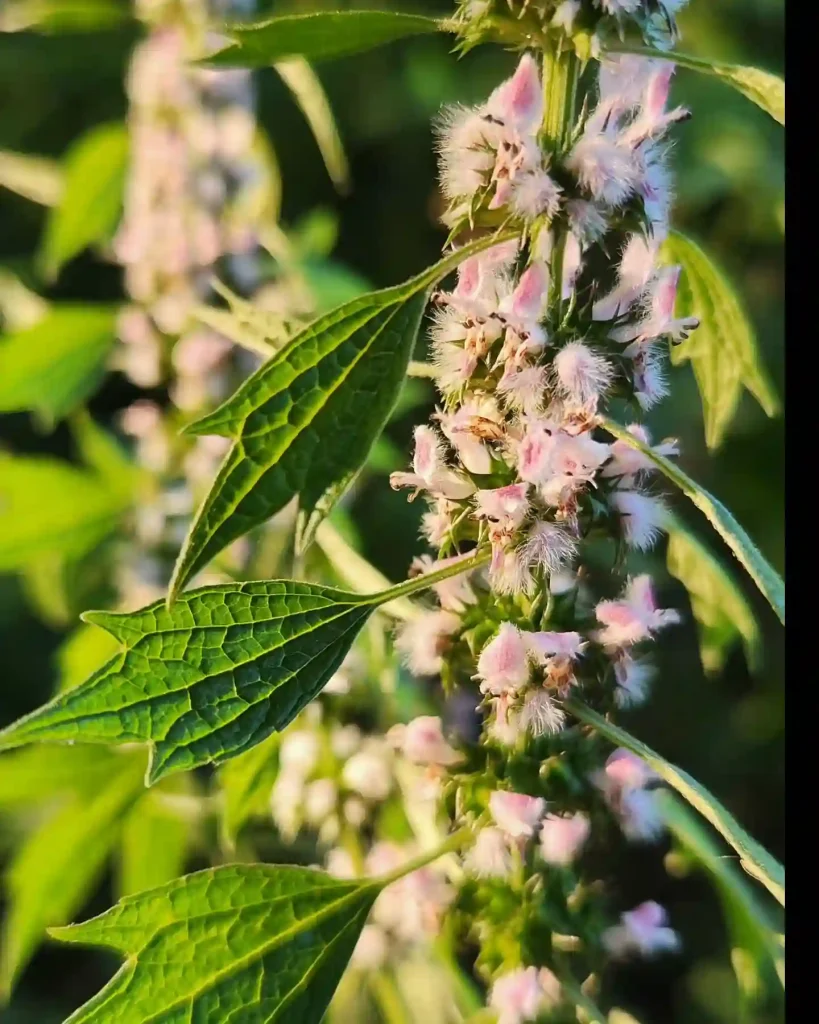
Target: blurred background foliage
x,y
726,728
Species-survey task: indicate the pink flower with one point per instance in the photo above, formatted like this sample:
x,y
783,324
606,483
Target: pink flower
x,y
505,509
633,618
633,680
422,741
642,931
561,839
522,310
423,640
628,462
503,665
519,996
429,470
467,428
659,318
582,376
545,645
519,100
489,856
623,784
642,517
516,814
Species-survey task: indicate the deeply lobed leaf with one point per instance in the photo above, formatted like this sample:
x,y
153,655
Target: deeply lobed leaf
x,y
723,350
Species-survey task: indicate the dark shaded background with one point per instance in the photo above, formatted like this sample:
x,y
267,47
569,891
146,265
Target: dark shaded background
x,y
726,730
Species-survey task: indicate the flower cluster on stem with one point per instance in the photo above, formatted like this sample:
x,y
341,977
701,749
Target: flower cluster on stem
x,y
537,337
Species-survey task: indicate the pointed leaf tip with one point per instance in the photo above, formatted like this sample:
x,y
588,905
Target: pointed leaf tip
x,y
304,423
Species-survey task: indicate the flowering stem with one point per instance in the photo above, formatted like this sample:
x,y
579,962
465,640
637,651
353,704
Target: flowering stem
x,y
561,70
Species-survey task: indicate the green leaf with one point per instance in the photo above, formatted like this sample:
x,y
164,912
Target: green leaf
x,y
215,674
156,836
209,678
90,203
83,651
723,350
719,606
768,581
52,507
55,365
56,868
757,957
764,89
246,782
37,178
304,423
61,15
20,307
754,858
317,36
246,942
305,85
41,773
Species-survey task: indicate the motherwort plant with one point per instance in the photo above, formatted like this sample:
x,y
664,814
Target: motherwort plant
x,y
562,321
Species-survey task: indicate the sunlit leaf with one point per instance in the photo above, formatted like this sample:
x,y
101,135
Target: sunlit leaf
x,y
156,836
83,651
53,366
94,170
307,90
723,350
304,423
62,15
246,781
754,858
214,674
757,958
719,606
48,506
763,88
34,177
58,864
768,581
249,942
317,36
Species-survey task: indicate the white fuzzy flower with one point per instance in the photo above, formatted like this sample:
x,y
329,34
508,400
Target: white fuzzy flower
x,y
368,773
633,618
430,471
582,376
489,856
503,664
422,641
643,517
540,714
516,814
519,996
